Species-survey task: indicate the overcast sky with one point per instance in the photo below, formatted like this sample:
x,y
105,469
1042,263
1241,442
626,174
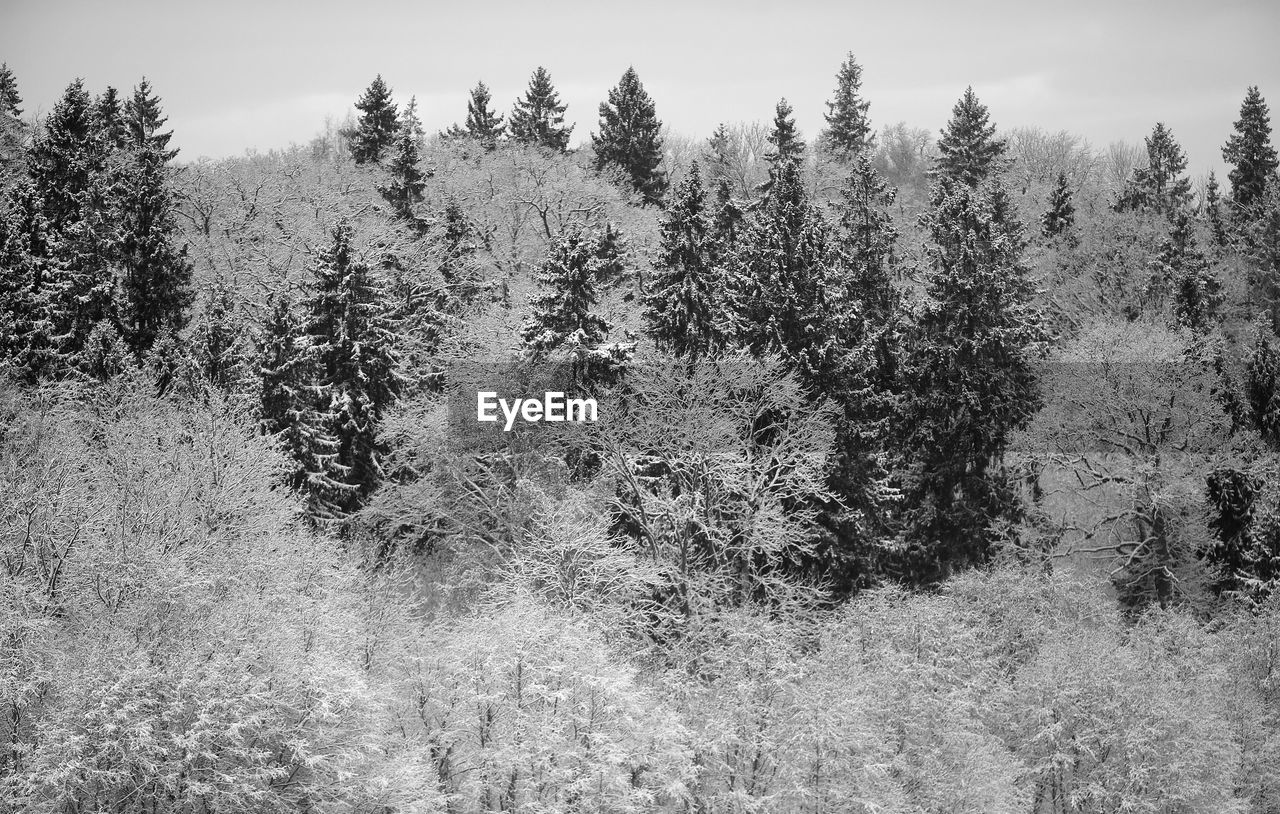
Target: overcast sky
x,y
235,75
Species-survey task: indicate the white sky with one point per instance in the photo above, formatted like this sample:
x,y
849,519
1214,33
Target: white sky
x,y
238,74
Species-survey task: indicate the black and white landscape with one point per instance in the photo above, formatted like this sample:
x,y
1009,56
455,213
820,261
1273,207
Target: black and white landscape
x,y
644,421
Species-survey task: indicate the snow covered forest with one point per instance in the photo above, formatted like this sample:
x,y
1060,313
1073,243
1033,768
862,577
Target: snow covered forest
x,y
937,469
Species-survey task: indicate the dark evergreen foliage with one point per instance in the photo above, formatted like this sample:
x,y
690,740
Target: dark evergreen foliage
x,y
286,396
1182,268
483,125
1160,185
1061,214
630,138
538,118
143,120
376,128
848,127
683,302
10,101
969,152
968,383
787,148
1250,152
353,350
110,114
408,179
1213,211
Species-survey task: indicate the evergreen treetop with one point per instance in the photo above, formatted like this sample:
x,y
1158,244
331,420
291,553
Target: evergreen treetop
x,y
538,117
787,146
630,137
968,150
483,124
683,301
110,115
1250,152
408,180
9,98
848,127
143,119
1061,213
1160,185
376,129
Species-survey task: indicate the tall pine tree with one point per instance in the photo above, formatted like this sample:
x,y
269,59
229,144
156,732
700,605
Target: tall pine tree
x,y
1181,268
968,384
408,180
968,151
483,125
538,118
354,357
786,147
376,128
1250,152
630,137
683,305
848,128
143,120
1061,214
286,395
1160,185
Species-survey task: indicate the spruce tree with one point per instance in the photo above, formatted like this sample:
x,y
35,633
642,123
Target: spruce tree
x,y
354,356
10,101
1213,211
787,148
1160,185
848,128
376,128
407,179
11,127
286,396
155,274
1181,267
67,158
1250,152
726,223
483,125
968,384
682,305
111,122
538,118
1061,214
717,157
563,324
968,150
630,138
868,237
143,120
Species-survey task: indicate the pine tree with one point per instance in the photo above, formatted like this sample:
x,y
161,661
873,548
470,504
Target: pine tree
x,y
726,223
457,265
968,150
11,126
683,302
786,285
376,128
286,394
1213,211
538,118
26,341
787,146
67,158
1182,268
155,273
1160,185
868,236
143,119
968,384
407,179
1061,214
630,138
848,128
483,125
563,323
718,157
217,343
353,350
110,118
1250,152
10,101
